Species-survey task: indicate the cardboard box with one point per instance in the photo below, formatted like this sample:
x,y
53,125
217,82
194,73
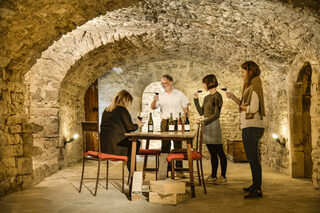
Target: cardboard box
x,y
166,199
136,192
167,187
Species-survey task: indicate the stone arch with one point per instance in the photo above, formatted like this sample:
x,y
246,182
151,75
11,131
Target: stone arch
x,y
298,116
50,70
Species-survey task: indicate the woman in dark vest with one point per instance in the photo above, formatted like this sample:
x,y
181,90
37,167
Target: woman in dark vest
x,y
252,110
116,121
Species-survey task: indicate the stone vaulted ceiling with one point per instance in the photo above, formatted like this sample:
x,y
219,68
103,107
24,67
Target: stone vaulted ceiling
x,y
51,51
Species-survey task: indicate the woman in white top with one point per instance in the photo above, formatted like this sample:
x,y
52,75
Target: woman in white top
x,y
252,110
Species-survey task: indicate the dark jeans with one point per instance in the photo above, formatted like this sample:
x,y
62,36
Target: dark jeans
x,y
251,137
165,145
215,151
129,154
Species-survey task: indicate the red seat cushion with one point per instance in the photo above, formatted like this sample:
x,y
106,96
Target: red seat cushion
x,y
105,156
149,152
183,156
113,157
91,153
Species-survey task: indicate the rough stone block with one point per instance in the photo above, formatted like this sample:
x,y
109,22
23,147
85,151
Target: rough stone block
x,y
4,61
24,165
2,121
15,150
27,180
44,111
14,120
36,150
9,162
31,127
15,129
27,144
315,153
14,139
17,182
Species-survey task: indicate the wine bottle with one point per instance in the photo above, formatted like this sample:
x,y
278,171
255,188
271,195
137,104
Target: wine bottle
x,y
171,123
187,124
150,123
179,123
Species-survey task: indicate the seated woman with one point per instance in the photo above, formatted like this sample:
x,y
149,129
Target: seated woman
x,y
116,121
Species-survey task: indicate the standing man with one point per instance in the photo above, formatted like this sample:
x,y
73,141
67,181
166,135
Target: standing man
x,y
170,101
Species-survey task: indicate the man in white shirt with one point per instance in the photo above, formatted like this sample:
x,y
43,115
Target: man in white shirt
x,y
170,101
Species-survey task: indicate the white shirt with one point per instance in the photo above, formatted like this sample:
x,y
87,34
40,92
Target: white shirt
x,y
252,108
174,102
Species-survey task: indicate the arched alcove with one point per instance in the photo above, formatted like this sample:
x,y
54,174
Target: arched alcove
x,y
303,118
147,98
301,145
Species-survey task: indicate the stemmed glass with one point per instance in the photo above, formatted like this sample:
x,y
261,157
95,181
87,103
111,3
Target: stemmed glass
x,y
139,116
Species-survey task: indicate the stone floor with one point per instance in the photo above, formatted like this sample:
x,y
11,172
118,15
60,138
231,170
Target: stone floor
x,y
58,193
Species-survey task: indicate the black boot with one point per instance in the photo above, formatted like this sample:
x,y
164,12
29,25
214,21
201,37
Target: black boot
x,y
250,188
253,194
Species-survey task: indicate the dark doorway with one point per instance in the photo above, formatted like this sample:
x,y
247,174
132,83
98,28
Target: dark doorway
x,y
305,80
92,113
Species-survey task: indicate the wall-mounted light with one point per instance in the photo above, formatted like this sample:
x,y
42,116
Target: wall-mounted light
x,y
75,136
277,139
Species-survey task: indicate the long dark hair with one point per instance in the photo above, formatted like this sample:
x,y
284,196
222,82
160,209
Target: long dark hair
x,y
253,71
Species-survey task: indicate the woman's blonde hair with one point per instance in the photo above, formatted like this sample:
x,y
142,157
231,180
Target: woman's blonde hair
x,y
122,98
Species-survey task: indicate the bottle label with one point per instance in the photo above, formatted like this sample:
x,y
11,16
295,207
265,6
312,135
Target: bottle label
x,y
187,127
171,128
179,127
150,128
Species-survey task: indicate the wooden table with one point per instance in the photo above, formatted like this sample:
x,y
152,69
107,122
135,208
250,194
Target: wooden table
x,y
163,136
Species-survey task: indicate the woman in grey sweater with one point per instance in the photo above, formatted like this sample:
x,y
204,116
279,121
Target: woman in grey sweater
x,y
211,109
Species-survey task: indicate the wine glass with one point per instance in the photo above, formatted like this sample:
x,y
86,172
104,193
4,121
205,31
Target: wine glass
x,y
139,116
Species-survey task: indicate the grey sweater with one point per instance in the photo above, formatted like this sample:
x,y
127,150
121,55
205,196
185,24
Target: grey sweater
x,y
211,107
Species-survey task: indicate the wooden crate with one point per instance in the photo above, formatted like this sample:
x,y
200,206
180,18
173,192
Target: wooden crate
x,y
235,151
166,187
166,199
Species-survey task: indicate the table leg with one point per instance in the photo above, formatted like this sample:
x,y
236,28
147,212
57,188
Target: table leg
x,y
145,160
193,193
133,163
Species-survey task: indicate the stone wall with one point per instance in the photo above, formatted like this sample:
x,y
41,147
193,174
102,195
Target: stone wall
x,y
27,29
44,97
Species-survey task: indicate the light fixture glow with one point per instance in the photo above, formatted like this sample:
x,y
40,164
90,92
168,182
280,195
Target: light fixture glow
x,y
75,136
65,141
117,70
275,136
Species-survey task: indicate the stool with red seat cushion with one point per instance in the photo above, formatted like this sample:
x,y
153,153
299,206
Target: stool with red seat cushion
x,y
90,127
196,155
